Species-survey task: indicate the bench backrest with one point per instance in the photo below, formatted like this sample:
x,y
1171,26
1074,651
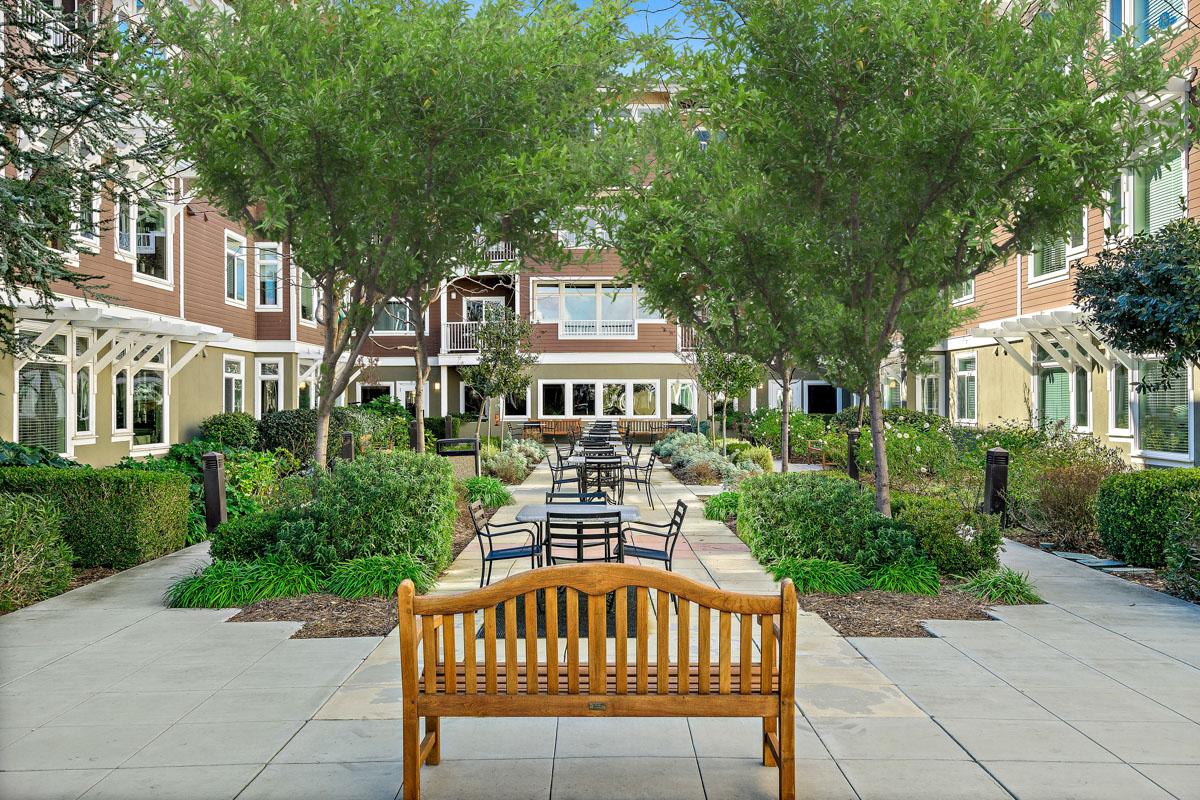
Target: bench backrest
x,y
444,630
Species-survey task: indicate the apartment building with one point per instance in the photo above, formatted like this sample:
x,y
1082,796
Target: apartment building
x,y
1030,354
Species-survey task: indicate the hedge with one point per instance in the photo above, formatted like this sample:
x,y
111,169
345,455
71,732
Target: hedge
x,y
1182,574
232,429
111,517
295,430
1135,512
35,562
958,540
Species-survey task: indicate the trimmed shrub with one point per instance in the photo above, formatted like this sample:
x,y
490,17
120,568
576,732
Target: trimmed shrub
x,y
1064,503
295,430
380,504
815,515
111,517
761,456
378,576
721,507
232,429
247,537
958,540
1135,511
816,575
1182,574
15,454
487,490
510,466
35,561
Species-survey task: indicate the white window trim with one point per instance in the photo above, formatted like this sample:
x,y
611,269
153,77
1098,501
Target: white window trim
x,y
775,394
674,382
598,281
411,333
477,298
259,379
1115,432
389,385
129,256
233,301
259,247
152,448
804,384
1157,456
968,297
598,395
241,362
88,436
939,406
968,373
528,405
149,280
1080,250
1125,223
1091,421
68,362
90,244
404,388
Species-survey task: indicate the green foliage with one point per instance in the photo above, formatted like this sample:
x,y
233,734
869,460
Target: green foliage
x,y
509,466
847,418
761,456
35,561
819,576
1002,585
1182,573
721,507
958,540
910,576
14,454
111,517
378,576
295,430
379,504
1064,503
229,584
916,454
232,429
804,430
814,515
247,537
532,450
505,358
487,490
1136,510
1143,294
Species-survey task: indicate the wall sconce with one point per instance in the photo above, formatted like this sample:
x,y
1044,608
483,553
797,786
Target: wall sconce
x,y
437,386
453,295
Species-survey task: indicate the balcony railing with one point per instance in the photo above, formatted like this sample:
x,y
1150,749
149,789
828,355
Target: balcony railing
x,y
597,329
499,253
687,339
459,337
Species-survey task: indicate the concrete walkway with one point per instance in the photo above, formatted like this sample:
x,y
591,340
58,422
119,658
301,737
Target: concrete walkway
x,y
105,693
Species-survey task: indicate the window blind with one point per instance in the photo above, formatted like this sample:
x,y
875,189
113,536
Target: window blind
x,y
1163,424
1054,396
42,406
1049,257
1164,187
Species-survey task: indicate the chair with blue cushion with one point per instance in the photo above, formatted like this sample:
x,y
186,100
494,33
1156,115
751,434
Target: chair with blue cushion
x,y
486,532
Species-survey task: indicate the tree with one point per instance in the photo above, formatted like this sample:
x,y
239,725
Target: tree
x,y
1143,294
910,145
75,125
391,144
504,361
725,375
705,244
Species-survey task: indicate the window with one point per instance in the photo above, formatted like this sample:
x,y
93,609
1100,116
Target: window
x,y
148,407
121,400
588,302
89,215
1158,195
645,310
682,397
1151,16
516,405
124,225
234,384
267,269
306,389
1082,399
645,399
83,400
1077,236
235,269
965,382
546,301
479,309
268,375
614,400
1054,396
472,401
616,302
930,390
308,298
554,400
1120,399
370,391
1116,19
964,292
395,318
1115,213
1162,414
891,393
583,399
42,406
579,301
151,244
1049,259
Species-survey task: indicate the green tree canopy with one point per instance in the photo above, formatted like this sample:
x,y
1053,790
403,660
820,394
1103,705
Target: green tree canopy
x,y
505,362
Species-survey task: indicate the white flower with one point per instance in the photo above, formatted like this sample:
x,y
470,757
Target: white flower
x,y
918,448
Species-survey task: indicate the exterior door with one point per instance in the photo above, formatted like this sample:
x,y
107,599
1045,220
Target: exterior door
x,y
480,309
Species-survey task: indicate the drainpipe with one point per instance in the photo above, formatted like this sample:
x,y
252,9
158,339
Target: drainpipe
x,y
946,381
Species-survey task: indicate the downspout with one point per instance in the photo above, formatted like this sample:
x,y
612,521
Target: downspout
x,y
946,382
182,249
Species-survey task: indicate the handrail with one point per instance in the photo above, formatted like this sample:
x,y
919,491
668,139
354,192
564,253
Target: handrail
x,y
598,579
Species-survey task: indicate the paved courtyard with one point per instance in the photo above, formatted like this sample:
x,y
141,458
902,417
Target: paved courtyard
x,y
106,694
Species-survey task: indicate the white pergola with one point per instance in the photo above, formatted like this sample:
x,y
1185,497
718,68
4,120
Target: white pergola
x,y
1066,336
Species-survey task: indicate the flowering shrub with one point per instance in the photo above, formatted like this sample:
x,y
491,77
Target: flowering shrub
x,y
916,454
957,539
509,465
533,451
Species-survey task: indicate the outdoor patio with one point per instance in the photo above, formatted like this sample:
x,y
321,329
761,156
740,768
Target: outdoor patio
x,y
106,693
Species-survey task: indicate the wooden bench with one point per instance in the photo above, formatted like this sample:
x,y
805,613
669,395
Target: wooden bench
x,y
465,676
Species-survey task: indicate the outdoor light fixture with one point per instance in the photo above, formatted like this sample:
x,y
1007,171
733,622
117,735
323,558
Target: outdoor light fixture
x,y
454,295
437,386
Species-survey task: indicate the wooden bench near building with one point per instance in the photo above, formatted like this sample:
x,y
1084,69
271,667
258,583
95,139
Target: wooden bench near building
x,y
463,675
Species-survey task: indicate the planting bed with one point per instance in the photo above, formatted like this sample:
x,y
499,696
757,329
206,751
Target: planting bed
x,y
876,613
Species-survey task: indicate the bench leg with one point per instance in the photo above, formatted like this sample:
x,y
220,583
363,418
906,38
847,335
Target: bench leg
x,y
787,756
770,725
412,757
433,727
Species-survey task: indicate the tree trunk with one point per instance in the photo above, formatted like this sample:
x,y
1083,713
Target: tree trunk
x,y
862,406
785,421
725,428
479,426
417,314
883,490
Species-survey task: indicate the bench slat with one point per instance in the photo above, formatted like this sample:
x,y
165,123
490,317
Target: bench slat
x,y
704,657
510,645
766,637
531,638
662,610
448,657
608,683
683,651
572,641
472,683
584,705
552,638
489,648
621,610
724,644
746,656
597,657
643,640
429,639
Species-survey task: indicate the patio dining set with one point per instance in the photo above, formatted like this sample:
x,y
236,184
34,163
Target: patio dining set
x,y
584,518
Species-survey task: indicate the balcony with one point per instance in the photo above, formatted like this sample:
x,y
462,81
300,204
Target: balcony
x,y
459,337
501,253
597,329
687,339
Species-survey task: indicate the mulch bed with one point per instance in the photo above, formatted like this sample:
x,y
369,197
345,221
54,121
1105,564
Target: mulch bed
x,y
875,613
86,575
326,615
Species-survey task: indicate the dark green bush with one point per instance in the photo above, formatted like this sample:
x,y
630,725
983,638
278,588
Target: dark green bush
x,y
295,430
1135,511
908,576
487,490
247,537
378,576
380,504
817,575
232,429
721,506
35,562
111,517
958,540
1182,574
14,454
813,515
228,584
847,418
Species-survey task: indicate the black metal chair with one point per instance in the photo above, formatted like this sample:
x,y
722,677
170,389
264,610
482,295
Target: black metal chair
x,y
602,473
563,475
577,497
580,537
640,475
668,532
486,532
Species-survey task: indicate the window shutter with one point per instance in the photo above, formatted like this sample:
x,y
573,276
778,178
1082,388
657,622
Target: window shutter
x,y
1163,414
1163,191
1054,396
